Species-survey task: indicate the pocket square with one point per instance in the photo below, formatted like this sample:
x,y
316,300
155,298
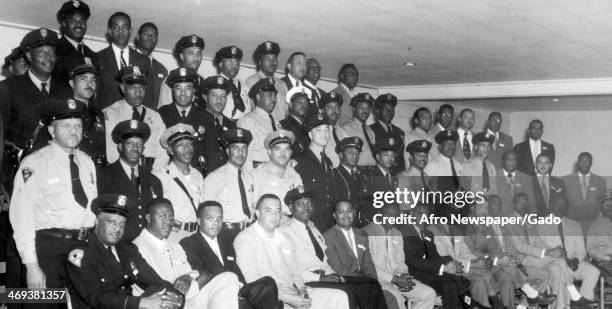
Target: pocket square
x,y
361,247
160,75
230,258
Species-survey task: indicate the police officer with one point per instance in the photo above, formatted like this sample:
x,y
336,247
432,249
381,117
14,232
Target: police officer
x,y
133,83
260,121
227,61
350,183
356,126
383,128
15,63
265,57
294,122
216,89
380,177
50,209
126,176
443,168
232,186
182,81
188,51
414,178
330,103
183,185
72,17
104,269
316,170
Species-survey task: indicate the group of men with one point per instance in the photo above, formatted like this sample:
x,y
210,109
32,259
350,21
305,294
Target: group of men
x,y
138,187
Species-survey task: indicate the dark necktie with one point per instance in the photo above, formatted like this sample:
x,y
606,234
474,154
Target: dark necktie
x,y
272,122
335,135
245,204
184,114
423,181
122,60
560,228
238,103
467,152
133,177
389,129
80,49
388,178
485,176
367,137
43,89
77,186
135,113
511,183
315,244
454,174
354,175
324,162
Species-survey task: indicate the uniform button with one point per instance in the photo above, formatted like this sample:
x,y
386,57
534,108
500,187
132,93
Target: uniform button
x,y
139,216
102,280
125,276
139,207
139,225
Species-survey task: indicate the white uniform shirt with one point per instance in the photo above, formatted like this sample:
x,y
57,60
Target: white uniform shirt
x,y
352,128
194,183
221,185
269,182
440,166
259,123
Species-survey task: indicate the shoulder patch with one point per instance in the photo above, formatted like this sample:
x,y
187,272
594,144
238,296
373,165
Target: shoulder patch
x,y
75,256
26,172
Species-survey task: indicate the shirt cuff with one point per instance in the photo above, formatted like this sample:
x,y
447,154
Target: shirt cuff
x,y
542,254
441,271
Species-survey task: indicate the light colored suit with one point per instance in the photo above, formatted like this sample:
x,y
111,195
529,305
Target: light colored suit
x,y
506,189
353,127
342,259
599,238
387,249
584,209
170,262
472,179
259,255
346,110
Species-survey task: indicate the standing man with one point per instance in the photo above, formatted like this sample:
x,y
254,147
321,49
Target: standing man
x,y
599,237
383,128
231,185
478,172
227,61
111,60
330,103
50,207
545,186
421,124
313,74
380,177
502,143
444,119
265,57
584,191
72,17
348,77
260,121
316,170
415,178
133,84
296,70
182,81
444,170
15,63
529,150
298,107
182,184
145,42
356,126
188,52
126,176
215,89
349,183
510,181
465,146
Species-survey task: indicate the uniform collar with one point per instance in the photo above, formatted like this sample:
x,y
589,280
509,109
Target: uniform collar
x,y
37,81
128,169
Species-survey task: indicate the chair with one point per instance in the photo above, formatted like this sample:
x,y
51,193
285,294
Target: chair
x,y
604,292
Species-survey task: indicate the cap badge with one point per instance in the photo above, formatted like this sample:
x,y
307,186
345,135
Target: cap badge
x,y
136,71
183,72
391,141
332,94
181,129
449,133
43,32
233,50
239,133
367,96
88,61
424,144
76,3
71,104
133,124
194,39
270,80
220,80
121,200
268,45
300,189
320,116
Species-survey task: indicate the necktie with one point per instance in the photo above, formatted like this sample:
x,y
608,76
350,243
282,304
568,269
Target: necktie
x,y
324,162
218,125
245,205
184,114
109,251
272,122
467,152
135,113
335,135
485,176
122,60
388,178
238,103
454,174
495,142
367,138
584,187
80,49
133,177
77,186
352,244
43,89
423,182
511,183
389,129
315,244
561,235
354,175
545,188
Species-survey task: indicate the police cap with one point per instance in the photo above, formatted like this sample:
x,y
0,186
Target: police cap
x,y
176,133
38,37
352,141
362,97
296,194
447,135
277,137
130,128
264,84
111,204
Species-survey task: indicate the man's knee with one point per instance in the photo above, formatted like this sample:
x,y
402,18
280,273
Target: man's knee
x,y
227,278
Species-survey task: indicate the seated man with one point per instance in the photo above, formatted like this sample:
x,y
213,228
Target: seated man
x,y
312,262
568,235
599,237
209,250
507,270
201,289
387,249
103,270
526,241
263,250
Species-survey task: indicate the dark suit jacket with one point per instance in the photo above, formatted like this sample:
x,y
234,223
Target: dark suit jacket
x,y
398,134
317,181
314,103
525,160
67,56
113,179
108,86
522,183
584,209
302,141
376,181
556,187
202,258
422,256
215,150
353,189
342,259
157,76
503,144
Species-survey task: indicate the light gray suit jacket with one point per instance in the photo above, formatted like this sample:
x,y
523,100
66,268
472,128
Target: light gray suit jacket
x,y
342,259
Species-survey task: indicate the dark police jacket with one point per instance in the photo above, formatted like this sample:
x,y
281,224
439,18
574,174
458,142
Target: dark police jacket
x,y
215,150
381,134
320,183
67,56
302,141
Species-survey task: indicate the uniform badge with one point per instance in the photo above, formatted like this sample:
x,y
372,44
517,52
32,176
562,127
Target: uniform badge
x,y
76,3
133,124
43,32
301,189
332,94
137,71
239,133
388,97
225,129
134,269
391,141
183,72
26,172
424,145
220,80
367,96
194,39
268,45
121,200
320,116
233,50
75,256
181,129
88,61
71,104
251,189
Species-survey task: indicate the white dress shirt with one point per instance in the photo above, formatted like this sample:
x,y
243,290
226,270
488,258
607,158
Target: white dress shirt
x,y
214,245
536,148
117,52
221,185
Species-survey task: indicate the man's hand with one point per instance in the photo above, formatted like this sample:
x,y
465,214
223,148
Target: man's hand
x,y
183,283
299,302
572,263
450,268
554,252
35,276
160,300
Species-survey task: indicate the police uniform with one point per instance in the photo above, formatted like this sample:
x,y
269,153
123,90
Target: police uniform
x,y
268,180
317,177
271,48
259,123
419,134
330,148
50,207
121,110
237,104
412,178
350,183
184,191
165,93
382,130
116,178
354,127
68,50
296,126
102,275
475,168
378,179
193,115
441,167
